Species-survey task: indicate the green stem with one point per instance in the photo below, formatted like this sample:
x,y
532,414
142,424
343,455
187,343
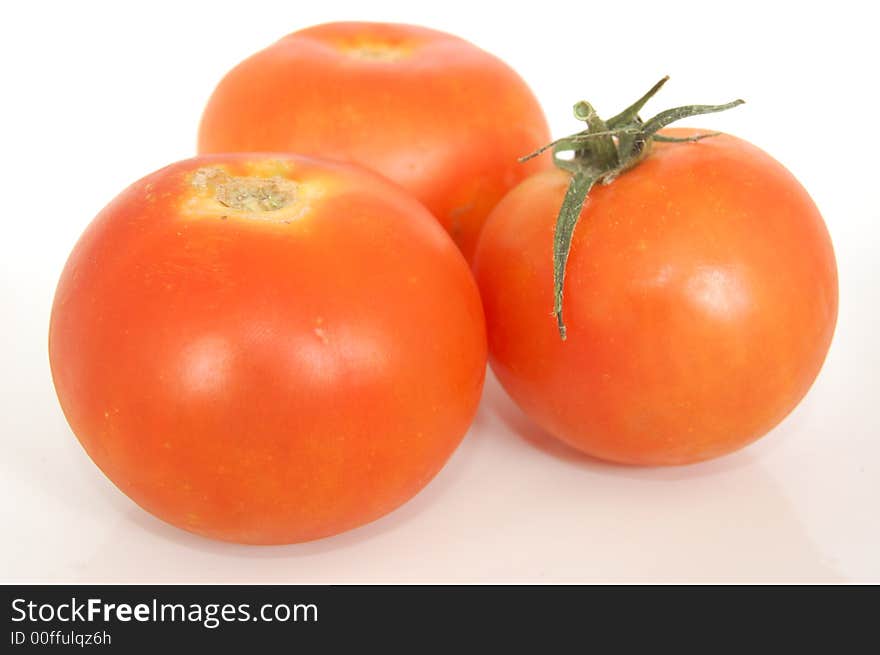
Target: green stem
x,y
664,118
631,113
602,151
661,138
575,196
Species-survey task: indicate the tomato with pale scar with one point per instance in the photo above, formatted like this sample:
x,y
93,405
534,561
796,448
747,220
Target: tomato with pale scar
x,y
267,350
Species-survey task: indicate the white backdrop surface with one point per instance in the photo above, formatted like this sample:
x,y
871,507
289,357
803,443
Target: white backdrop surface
x,y
95,95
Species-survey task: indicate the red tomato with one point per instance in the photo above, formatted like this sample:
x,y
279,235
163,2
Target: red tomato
x,y
267,350
700,301
428,110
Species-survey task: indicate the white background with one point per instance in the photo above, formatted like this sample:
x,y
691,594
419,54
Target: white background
x,y
96,95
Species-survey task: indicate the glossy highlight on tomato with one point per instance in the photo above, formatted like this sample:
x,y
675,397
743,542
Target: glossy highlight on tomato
x,y
437,115
267,349
700,302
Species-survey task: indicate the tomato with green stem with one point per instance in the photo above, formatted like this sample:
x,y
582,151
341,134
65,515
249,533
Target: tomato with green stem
x,y
663,297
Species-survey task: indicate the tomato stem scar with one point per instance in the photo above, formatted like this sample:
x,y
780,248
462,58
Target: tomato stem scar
x,y
602,152
250,194
380,52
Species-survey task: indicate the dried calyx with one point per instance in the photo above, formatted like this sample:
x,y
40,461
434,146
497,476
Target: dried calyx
x,y
600,153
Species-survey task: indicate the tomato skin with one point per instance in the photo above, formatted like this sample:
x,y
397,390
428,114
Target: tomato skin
x,y
700,301
430,111
266,382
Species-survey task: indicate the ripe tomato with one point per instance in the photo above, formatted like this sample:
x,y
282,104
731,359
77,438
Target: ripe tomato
x,y
428,110
267,350
700,301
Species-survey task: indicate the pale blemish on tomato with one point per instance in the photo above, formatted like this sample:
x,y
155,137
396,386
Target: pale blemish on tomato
x,y
265,193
